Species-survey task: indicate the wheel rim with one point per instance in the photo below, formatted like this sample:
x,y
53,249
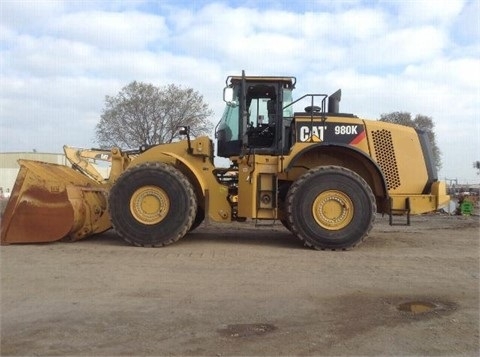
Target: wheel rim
x,y
149,205
332,210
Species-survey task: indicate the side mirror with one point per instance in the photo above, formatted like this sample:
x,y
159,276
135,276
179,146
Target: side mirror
x,y
184,130
228,96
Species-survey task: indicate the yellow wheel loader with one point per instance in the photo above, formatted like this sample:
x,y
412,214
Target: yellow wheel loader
x,y
324,174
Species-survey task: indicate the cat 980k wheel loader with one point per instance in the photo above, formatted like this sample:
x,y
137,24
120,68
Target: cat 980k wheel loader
x,y
322,173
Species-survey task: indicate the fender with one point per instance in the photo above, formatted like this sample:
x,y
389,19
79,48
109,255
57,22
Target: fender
x,y
170,157
194,169
343,149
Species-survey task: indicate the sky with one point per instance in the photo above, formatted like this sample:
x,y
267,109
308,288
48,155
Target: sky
x,y
59,59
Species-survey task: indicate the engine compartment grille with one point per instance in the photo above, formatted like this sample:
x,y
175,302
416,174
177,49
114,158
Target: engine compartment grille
x,y
386,158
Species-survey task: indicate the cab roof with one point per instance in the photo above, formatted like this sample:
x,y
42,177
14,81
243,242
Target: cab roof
x,y
289,81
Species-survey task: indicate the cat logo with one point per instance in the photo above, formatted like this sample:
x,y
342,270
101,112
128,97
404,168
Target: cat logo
x,y
315,135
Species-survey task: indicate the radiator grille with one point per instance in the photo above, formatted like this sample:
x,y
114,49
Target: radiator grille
x,y
385,156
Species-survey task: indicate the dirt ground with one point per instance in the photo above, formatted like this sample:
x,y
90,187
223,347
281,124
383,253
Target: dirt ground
x,y
250,291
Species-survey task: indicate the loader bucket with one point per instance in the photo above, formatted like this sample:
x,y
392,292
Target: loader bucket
x,y
50,202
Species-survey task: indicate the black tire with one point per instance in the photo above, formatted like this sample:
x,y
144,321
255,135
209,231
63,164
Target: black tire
x,y
330,207
198,219
286,224
152,205
283,188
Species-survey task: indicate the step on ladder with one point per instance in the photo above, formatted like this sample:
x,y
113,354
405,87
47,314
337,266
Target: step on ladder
x,y
400,212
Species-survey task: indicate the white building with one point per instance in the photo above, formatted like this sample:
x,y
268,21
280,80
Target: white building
x,y
9,166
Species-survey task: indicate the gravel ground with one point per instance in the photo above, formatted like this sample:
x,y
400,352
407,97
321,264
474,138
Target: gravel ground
x,y
245,290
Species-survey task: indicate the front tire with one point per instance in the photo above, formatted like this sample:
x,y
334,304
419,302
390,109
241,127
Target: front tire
x,y
152,204
330,207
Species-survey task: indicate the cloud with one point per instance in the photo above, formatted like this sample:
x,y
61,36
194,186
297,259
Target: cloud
x,y
405,46
461,73
125,31
46,56
30,15
429,11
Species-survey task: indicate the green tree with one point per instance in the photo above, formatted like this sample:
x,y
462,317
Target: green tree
x,y
420,122
144,114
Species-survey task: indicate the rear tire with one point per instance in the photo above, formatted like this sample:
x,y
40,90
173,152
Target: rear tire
x,y
330,207
152,205
199,218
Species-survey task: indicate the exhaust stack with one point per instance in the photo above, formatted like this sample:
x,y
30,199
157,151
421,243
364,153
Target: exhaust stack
x,y
334,102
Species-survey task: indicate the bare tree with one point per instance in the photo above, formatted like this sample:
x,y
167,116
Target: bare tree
x,y
420,122
144,114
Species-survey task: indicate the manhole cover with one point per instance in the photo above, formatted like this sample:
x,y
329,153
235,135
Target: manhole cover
x,y
418,307
246,330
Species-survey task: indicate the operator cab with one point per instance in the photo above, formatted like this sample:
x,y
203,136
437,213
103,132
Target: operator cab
x,y
254,120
